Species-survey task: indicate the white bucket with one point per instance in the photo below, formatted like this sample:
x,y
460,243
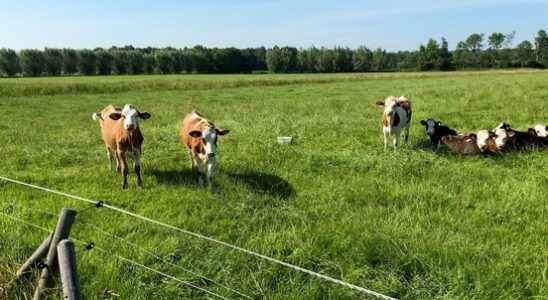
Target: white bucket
x,y
284,140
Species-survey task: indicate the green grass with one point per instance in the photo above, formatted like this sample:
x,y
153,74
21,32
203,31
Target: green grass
x,y
412,224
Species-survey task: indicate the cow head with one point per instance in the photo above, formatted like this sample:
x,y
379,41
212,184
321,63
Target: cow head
x,y
209,136
430,125
130,116
541,130
483,137
390,105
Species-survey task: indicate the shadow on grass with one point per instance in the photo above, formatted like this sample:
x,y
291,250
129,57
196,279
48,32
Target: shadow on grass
x,y
264,183
257,182
184,177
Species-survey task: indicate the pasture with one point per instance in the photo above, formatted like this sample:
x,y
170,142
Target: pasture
x,y
410,224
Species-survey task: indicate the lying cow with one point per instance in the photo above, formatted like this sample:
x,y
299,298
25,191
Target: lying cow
x,y
435,130
486,141
462,144
541,130
122,136
396,116
200,136
511,139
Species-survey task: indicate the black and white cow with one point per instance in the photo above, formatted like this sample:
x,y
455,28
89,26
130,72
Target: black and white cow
x,y
436,130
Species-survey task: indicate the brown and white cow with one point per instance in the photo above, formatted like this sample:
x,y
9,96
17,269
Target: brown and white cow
x,y
486,141
200,137
462,143
396,116
123,138
512,139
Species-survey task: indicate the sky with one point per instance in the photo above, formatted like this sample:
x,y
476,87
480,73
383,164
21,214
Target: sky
x,y
392,25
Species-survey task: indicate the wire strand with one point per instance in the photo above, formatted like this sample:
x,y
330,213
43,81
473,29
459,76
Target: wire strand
x,y
120,257
150,253
213,240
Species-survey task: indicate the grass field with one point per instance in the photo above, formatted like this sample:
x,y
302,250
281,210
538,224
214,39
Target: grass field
x,y
411,224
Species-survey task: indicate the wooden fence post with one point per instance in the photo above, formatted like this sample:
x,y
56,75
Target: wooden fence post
x,y
67,268
35,258
62,231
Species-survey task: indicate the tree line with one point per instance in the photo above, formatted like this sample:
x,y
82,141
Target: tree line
x,y
476,52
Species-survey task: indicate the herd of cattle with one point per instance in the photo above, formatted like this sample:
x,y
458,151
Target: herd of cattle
x,y
123,138
397,117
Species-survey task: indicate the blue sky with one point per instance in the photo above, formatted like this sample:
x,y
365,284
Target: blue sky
x,y
390,24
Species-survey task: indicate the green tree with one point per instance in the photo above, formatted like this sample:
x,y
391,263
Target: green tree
x,y
428,55
378,62
164,62
326,61
136,62
362,59
120,61
342,59
53,59
525,55
104,62
9,62
496,40
474,42
149,63
87,64
444,57
541,48
32,62
274,60
70,61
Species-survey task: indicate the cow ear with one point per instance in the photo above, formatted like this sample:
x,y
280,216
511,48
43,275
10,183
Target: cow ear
x,y
222,131
438,123
423,122
532,132
144,115
115,115
195,134
379,103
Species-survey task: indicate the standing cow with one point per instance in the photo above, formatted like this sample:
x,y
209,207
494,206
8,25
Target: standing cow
x,y
122,136
200,136
396,116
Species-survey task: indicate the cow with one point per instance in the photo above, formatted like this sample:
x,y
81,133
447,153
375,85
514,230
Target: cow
x,y
200,137
486,141
396,116
462,143
436,130
509,138
122,137
541,130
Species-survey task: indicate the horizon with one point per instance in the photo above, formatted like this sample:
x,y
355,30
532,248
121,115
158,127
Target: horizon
x,y
36,25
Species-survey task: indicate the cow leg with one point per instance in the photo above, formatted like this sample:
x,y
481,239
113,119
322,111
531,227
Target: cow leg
x,y
406,134
396,140
386,134
210,172
110,156
137,166
123,162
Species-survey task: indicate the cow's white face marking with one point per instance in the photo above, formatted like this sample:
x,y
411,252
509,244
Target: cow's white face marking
x,y
430,126
482,137
501,137
210,138
131,117
541,130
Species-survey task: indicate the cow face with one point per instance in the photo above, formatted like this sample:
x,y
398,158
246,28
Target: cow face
x,y
430,126
130,116
209,139
483,137
541,130
390,111
501,137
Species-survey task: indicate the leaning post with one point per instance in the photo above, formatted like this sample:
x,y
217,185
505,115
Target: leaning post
x,y
62,231
68,271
